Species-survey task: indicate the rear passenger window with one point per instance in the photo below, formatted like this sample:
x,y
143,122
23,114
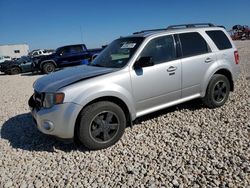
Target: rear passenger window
x,y
161,49
76,49
193,44
220,39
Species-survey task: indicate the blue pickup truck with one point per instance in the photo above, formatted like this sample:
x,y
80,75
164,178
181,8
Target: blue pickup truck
x,y
66,56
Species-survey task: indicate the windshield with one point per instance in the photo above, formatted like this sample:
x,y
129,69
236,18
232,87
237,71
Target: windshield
x,y
59,50
118,53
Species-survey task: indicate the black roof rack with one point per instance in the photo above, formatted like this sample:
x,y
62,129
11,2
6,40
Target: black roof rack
x,y
150,30
190,25
195,25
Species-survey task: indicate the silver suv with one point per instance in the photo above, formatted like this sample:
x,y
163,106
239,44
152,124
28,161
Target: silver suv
x,y
135,76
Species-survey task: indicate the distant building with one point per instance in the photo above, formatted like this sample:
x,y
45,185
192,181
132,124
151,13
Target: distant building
x,y
14,50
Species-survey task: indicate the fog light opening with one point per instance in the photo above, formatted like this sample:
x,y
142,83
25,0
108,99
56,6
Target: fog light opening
x,y
48,125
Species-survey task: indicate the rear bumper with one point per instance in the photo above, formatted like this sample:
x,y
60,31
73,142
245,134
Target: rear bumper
x,y
58,121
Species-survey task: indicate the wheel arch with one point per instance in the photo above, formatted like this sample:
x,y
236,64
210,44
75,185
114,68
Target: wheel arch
x,y
15,66
229,76
113,99
223,71
47,61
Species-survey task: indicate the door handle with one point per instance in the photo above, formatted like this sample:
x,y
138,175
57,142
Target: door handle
x,y
208,60
171,69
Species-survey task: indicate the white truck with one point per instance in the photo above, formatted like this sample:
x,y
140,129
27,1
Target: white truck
x,y
4,58
43,52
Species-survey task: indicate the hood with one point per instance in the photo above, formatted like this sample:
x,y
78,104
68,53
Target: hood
x,y
54,81
12,62
7,62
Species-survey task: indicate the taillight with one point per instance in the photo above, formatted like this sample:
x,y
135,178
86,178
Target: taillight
x,y
236,57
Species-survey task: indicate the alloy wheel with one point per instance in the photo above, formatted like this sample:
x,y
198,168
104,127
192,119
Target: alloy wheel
x,y
220,91
104,126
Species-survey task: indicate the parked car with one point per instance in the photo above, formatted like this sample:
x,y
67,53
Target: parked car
x,y
4,58
36,53
66,56
134,76
22,65
240,32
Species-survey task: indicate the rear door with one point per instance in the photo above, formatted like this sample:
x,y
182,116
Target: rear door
x,y
78,55
226,51
157,85
196,60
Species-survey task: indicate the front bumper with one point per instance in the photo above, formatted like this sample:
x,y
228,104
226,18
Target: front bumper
x,y
2,68
58,121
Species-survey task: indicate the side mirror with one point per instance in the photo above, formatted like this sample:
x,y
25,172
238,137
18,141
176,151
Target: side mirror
x,y
143,62
63,54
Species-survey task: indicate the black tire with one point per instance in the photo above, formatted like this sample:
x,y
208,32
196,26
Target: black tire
x,y
15,70
48,68
99,120
217,91
94,56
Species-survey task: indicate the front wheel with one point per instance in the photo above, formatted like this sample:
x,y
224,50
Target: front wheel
x,y
102,124
15,70
217,92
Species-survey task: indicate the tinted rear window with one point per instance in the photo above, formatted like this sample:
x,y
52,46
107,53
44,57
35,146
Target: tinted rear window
x,y
220,39
193,44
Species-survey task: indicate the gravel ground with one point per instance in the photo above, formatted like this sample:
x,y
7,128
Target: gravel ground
x,y
184,146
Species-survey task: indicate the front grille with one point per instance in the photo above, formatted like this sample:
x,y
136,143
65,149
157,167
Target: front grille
x,y
36,100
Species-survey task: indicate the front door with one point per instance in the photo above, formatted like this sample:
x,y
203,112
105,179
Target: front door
x,y
26,66
157,85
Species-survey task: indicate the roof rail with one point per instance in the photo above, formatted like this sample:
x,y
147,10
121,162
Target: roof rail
x,y
150,30
190,25
195,25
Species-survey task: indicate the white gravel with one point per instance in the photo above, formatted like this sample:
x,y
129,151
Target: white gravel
x,y
184,146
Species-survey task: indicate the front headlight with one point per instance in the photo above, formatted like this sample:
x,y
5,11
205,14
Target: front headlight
x,y
51,99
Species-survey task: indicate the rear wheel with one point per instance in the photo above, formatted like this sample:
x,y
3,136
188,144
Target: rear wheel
x,y
15,70
102,124
217,92
48,68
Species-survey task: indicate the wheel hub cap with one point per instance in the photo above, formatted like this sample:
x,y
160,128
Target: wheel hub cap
x,y
220,91
104,126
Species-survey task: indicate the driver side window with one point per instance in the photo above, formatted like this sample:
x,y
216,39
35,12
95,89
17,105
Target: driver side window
x,y
65,51
161,49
